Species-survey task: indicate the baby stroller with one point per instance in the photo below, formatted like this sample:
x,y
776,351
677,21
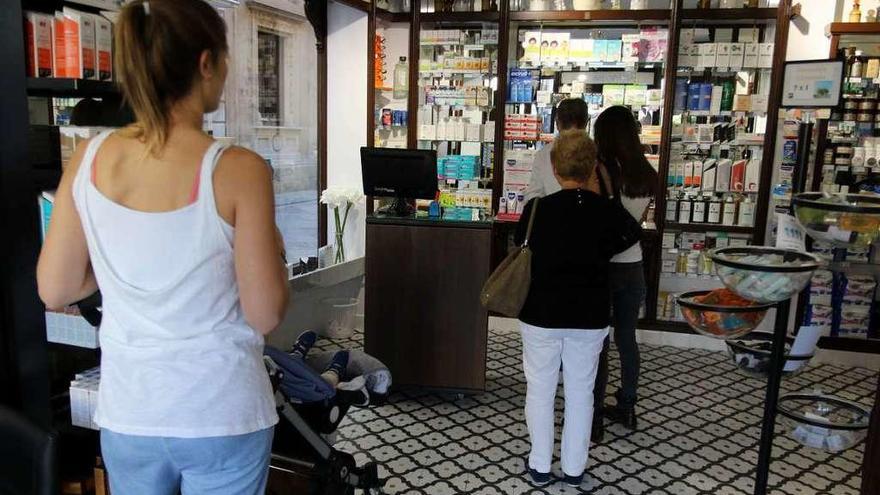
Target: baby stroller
x,y
310,410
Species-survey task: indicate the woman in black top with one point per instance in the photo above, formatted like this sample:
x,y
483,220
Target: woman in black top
x,y
617,139
566,314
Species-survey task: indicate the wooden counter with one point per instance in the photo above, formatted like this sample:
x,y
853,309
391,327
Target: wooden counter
x,y
422,314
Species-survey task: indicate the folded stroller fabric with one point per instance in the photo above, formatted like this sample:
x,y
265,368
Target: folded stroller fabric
x,y
376,374
300,383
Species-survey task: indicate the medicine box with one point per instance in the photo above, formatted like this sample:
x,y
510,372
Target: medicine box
x,y
750,59
708,52
38,31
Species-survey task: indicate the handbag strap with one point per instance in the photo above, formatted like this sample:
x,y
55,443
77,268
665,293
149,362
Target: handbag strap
x,y
531,222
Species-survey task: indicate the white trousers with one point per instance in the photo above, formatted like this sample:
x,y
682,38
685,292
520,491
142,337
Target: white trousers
x,y
578,351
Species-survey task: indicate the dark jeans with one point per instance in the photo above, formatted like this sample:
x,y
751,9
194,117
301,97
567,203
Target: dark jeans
x,y
627,285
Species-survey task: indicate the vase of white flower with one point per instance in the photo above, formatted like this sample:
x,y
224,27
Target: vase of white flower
x,y
340,200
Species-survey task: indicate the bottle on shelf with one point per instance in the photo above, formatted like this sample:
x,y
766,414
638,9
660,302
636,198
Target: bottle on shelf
x,y
855,15
681,262
401,79
671,207
685,205
714,214
693,260
746,213
728,216
855,69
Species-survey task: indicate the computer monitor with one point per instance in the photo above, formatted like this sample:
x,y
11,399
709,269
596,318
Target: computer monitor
x,y
400,173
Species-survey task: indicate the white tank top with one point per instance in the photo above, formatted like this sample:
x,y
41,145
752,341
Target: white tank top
x,y
636,207
177,357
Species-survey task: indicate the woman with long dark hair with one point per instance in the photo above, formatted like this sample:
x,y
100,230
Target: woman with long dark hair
x,y
620,150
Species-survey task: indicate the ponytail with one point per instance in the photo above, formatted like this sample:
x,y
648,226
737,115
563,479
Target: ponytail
x,y
158,47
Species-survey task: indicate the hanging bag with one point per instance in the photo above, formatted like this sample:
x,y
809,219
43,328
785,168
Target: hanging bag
x,y
507,288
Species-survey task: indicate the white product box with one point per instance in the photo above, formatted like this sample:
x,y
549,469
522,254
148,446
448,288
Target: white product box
x,y
708,52
489,132
427,132
737,51
748,35
750,59
474,132
70,329
765,55
722,56
695,55
753,175
684,56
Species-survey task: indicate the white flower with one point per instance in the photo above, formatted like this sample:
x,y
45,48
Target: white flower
x,y
339,197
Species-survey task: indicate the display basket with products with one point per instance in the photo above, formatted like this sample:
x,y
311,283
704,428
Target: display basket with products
x,y
844,220
823,422
721,313
764,274
752,355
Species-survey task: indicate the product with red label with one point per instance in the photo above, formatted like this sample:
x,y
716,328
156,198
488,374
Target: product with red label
x,y
38,29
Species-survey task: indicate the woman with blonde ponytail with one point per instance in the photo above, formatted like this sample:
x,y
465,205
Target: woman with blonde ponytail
x,y
178,233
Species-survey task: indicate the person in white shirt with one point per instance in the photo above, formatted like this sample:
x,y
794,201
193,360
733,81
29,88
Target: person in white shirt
x,y
178,232
571,113
635,181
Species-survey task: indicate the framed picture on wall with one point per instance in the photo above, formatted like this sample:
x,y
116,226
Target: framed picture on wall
x,y
812,84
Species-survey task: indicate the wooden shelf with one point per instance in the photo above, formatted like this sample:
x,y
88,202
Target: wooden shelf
x,y
592,15
708,227
55,87
355,4
867,346
742,15
388,16
460,17
855,28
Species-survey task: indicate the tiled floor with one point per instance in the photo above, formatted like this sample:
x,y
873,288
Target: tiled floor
x,y
699,425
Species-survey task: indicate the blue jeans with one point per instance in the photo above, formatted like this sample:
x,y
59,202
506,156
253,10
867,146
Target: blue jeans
x,y
233,465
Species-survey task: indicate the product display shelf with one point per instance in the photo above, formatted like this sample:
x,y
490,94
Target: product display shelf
x,y
362,5
742,15
392,17
734,146
707,227
455,96
490,16
56,87
846,156
608,15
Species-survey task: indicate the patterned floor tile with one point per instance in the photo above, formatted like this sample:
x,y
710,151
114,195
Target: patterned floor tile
x,y
699,423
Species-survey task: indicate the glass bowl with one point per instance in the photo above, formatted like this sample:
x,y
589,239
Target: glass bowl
x,y
844,220
764,274
720,321
823,422
752,355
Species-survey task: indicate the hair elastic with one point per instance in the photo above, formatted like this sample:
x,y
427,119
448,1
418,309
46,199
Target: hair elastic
x,y
146,6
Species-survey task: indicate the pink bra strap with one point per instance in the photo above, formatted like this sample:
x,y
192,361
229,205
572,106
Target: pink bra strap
x,y
193,194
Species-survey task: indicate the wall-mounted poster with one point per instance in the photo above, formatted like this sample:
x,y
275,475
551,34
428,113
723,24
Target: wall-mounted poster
x,y
812,84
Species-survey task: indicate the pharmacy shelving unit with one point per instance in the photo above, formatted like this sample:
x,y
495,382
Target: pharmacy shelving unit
x,y
35,374
632,73
731,131
837,136
513,18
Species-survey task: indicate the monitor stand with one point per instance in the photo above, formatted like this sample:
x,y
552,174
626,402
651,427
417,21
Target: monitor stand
x,y
400,207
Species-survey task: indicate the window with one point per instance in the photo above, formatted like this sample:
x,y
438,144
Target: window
x,y
270,106
269,78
